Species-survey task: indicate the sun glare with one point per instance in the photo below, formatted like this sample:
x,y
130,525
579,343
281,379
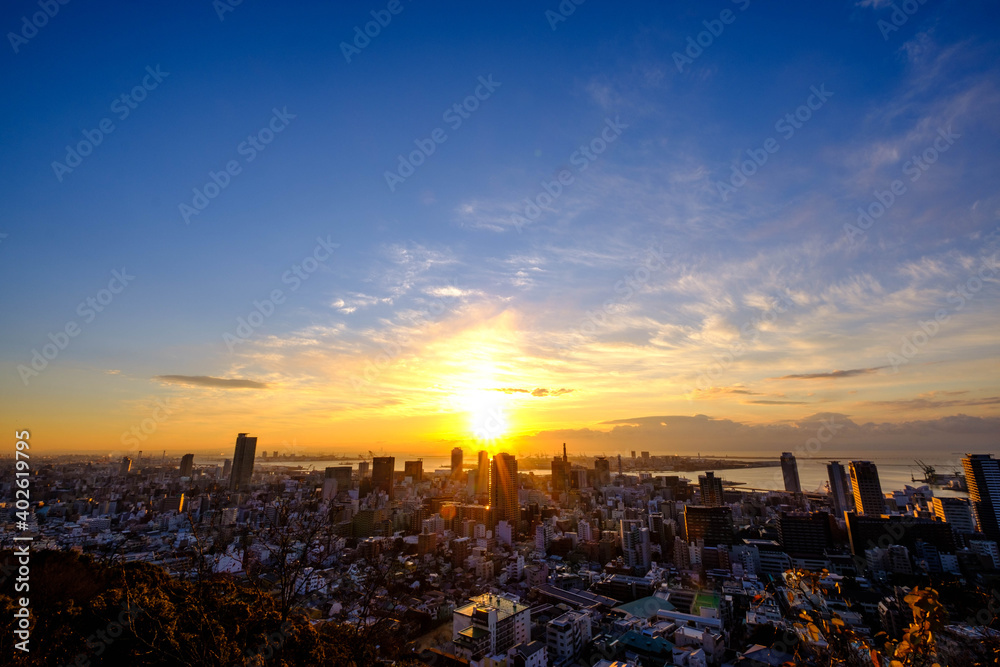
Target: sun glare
x,y
487,413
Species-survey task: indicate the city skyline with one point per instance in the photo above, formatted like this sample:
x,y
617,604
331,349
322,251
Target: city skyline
x,y
733,248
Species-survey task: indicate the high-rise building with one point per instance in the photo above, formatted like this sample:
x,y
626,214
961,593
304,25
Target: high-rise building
x,y
126,466
602,467
364,467
714,525
483,473
383,470
805,533
867,490
982,475
187,465
227,468
956,512
635,544
790,472
243,458
503,490
342,475
711,489
560,472
456,463
840,488
414,469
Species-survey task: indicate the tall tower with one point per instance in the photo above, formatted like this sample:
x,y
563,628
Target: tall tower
x,y
790,471
483,473
187,465
243,457
982,475
602,470
868,496
456,463
503,490
711,489
383,470
840,488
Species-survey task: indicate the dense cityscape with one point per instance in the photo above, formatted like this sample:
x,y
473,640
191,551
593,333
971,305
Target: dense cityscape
x,y
478,564
572,333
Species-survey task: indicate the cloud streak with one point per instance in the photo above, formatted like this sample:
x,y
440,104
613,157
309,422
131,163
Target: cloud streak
x,y
208,381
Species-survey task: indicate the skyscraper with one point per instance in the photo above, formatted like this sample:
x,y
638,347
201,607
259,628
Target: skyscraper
x,y
414,469
790,471
342,474
982,475
187,465
560,472
602,468
383,468
711,489
243,457
503,490
126,466
840,488
868,497
483,473
456,463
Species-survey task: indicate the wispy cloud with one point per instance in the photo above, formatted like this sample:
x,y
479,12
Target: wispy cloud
x,y
538,392
208,381
854,372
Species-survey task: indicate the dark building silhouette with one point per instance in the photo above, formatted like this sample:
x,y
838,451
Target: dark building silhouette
x,y
483,473
867,490
841,494
711,489
982,476
790,473
602,468
560,472
383,469
714,525
414,469
805,533
342,474
187,465
456,463
243,458
503,490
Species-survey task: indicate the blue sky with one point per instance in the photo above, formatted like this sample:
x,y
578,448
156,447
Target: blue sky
x,y
730,299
